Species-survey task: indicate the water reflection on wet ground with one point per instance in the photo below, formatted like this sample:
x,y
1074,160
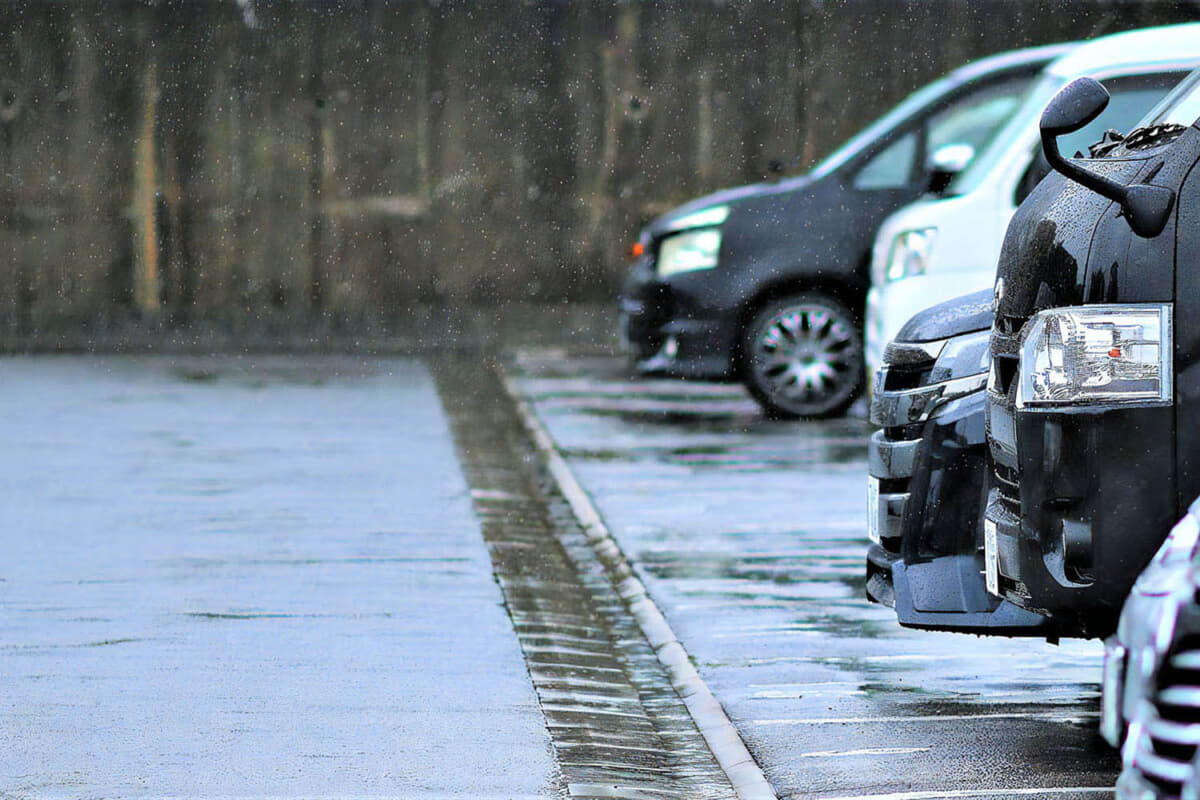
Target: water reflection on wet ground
x,y
749,534
249,577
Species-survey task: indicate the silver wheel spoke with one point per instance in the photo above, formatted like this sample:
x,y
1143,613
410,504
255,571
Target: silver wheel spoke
x,y
805,354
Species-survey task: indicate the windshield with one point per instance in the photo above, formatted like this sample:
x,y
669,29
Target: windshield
x,y
910,106
969,179
1180,107
1128,96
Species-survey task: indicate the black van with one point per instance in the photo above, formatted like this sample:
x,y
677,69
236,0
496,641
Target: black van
x,y
766,283
1094,386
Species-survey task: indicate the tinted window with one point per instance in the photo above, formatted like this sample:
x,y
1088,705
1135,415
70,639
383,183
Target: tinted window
x,y
892,168
975,119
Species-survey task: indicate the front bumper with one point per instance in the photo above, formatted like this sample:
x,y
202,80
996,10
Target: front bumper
x,y
671,328
1080,501
928,467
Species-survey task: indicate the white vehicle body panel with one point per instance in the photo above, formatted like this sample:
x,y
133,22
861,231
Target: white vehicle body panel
x,y
971,226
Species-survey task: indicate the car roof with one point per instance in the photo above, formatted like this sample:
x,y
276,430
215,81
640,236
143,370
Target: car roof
x,y
1012,59
1158,46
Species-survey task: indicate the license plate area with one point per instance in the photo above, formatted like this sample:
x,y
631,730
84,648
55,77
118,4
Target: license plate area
x,y
873,521
991,558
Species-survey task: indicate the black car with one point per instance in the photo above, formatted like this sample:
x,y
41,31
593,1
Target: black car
x,y
766,283
928,476
1095,378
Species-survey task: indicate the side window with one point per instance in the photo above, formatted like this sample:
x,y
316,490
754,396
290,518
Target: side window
x,y
892,168
975,119
1131,98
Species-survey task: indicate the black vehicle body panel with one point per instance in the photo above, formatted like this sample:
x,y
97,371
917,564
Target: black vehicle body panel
x,y
1082,496
933,478
800,234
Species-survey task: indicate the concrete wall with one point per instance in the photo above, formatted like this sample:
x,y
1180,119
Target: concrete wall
x,y
235,161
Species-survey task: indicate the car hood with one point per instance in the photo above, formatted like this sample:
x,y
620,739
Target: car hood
x,y
726,197
966,314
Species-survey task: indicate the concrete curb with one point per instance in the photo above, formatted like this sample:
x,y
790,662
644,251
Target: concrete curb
x,y
722,737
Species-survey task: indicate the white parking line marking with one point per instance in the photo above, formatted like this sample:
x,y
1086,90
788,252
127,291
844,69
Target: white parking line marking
x,y
1002,792
1045,716
867,751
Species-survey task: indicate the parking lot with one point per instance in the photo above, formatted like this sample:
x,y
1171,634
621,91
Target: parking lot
x,y
750,537
278,577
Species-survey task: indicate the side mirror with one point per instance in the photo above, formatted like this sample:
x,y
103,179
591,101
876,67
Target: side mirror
x,y
1147,208
1076,104
946,162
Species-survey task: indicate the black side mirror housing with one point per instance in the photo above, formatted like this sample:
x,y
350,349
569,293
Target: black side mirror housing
x,y
1146,207
1075,105
945,163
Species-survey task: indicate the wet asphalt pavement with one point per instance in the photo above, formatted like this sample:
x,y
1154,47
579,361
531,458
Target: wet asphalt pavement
x,y
750,536
236,578
285,577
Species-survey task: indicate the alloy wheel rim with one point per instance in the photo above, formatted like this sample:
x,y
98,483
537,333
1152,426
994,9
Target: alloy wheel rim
x,y
806,356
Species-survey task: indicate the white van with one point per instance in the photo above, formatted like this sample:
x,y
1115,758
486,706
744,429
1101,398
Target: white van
x,y
944,246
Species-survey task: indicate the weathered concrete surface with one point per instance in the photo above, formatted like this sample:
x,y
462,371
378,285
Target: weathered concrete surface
x,y
225,160
750,536
237,577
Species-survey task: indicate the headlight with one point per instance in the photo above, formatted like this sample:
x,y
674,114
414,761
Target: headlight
x,y
689,251
962,357
1097,354
909,254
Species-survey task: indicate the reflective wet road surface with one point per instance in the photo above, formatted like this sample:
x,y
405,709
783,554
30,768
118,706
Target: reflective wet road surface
x,y
249,578
750,536
278,577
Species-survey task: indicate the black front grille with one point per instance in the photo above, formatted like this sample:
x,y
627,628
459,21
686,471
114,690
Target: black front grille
x,y
1177,693
1006,351
1008,488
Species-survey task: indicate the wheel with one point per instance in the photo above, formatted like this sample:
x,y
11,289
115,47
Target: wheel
x,y
802,357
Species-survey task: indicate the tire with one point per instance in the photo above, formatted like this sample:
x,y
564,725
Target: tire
x,y
802,357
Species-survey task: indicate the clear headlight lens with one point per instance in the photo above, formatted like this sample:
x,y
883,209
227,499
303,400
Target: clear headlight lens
x,y
689,251
963,356
1097,354
909,254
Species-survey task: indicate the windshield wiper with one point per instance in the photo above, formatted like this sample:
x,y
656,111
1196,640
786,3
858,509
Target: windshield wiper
x,y
1153,135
